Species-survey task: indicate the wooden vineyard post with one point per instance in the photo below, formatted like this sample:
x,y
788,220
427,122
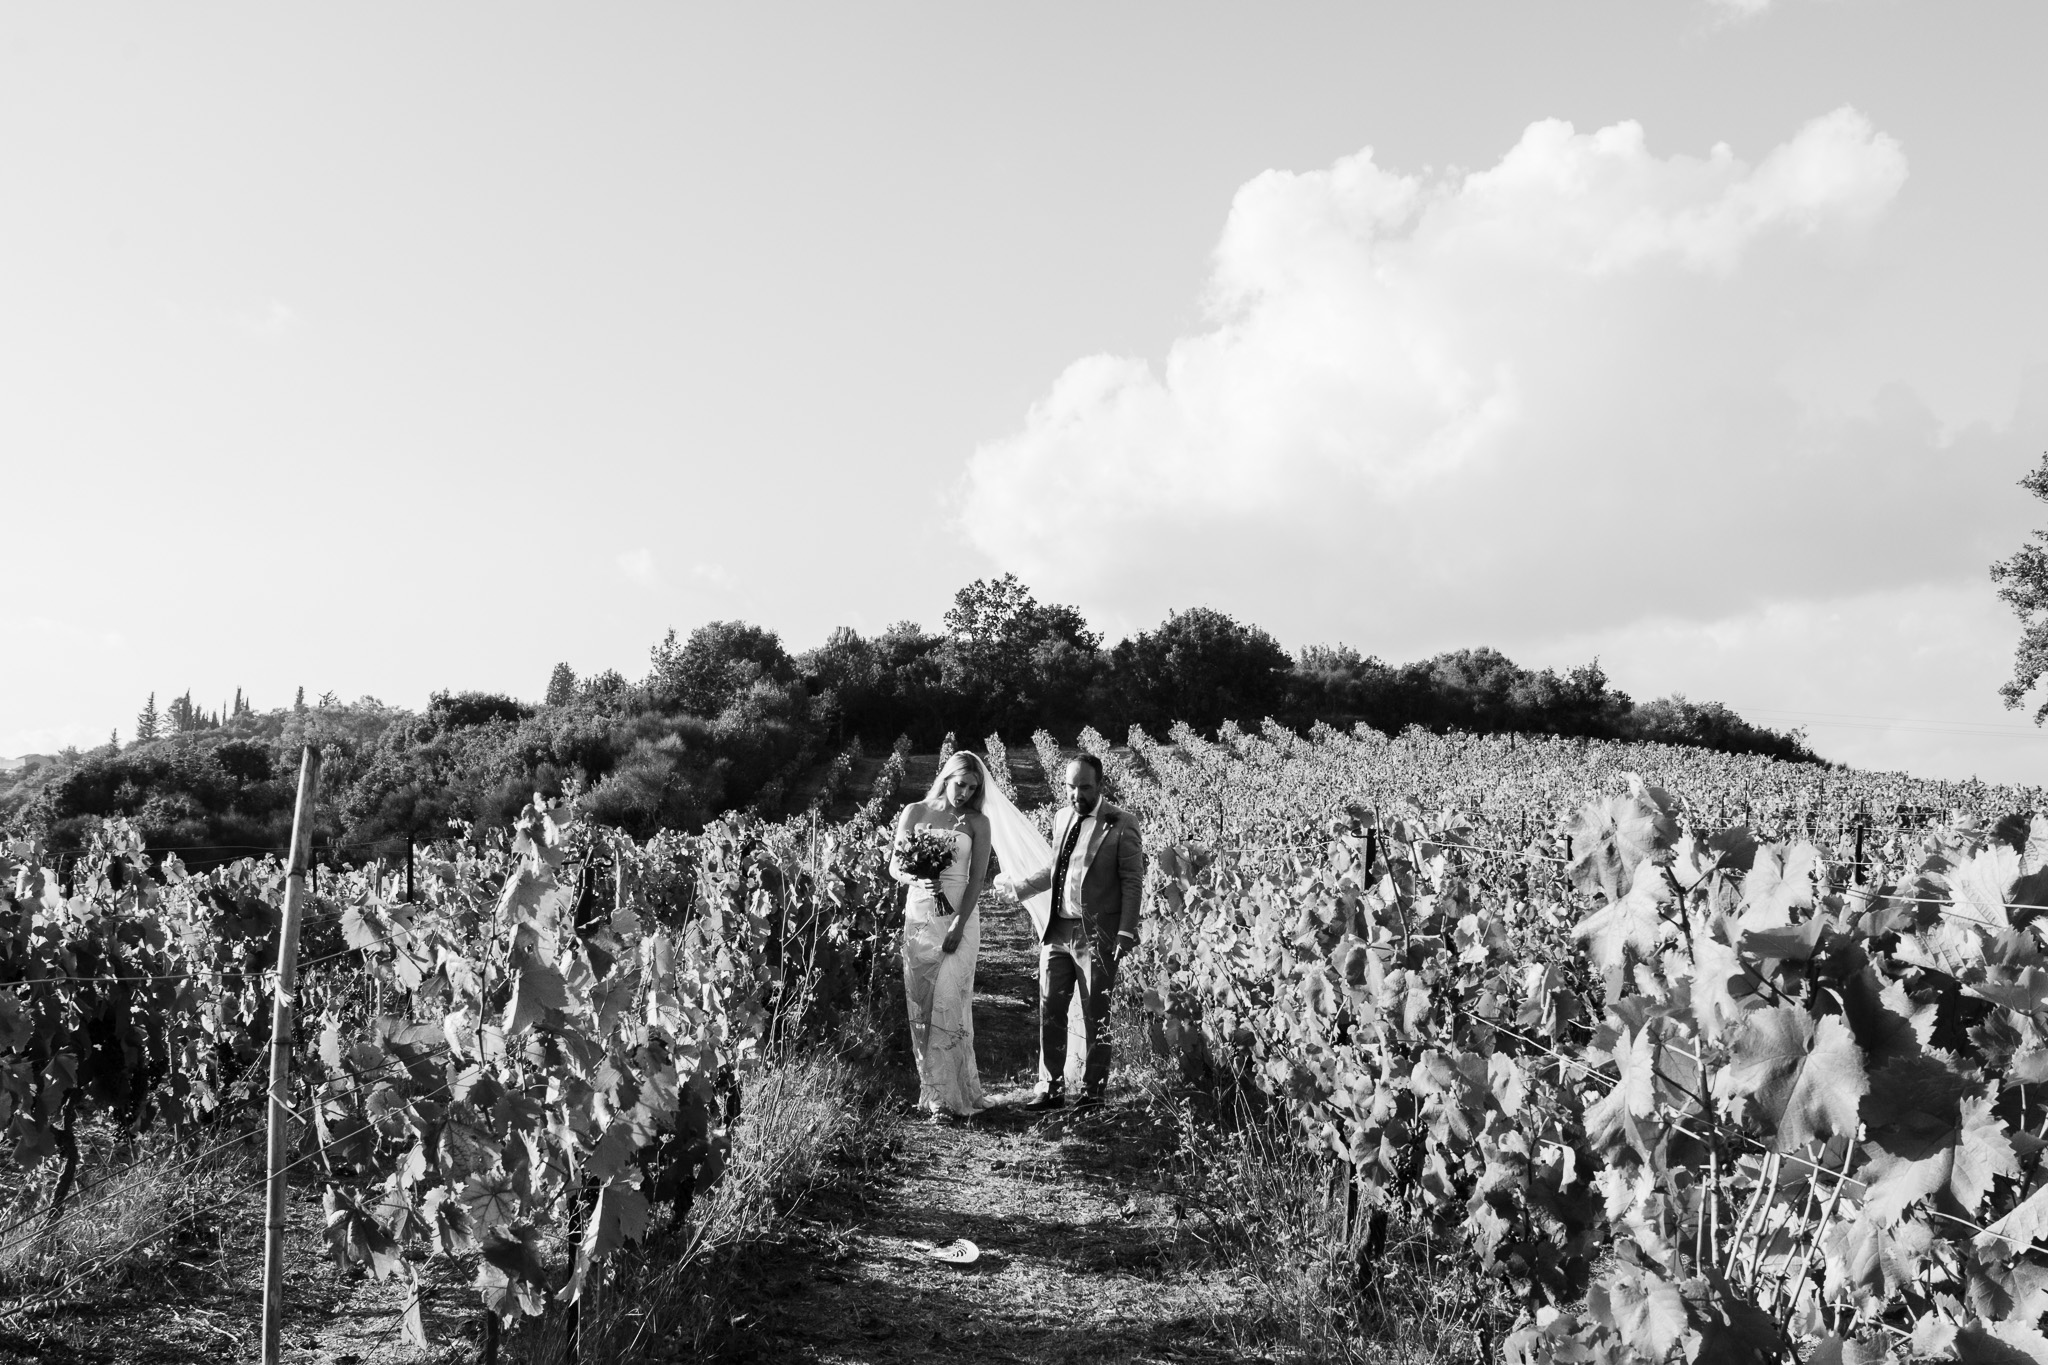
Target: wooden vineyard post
x,y
281,1054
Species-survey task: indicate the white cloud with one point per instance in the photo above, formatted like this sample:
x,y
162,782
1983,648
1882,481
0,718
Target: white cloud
x,y
716,575
1552,395
637,565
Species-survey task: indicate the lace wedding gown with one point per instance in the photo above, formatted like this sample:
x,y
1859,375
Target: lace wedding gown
x,y
940,988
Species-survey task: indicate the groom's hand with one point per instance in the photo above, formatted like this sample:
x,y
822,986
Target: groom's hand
x,y
952,943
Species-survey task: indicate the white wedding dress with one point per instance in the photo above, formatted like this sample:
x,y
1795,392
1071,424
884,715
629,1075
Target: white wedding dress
x,y
940,989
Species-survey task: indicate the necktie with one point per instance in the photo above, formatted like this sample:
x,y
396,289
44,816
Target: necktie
x,y
1059,868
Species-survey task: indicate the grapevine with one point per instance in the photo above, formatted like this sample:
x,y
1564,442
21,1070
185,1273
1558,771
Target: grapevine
x,y
1682,1093
510,1064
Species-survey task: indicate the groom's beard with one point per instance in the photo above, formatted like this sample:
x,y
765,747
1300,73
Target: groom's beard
x,y
1085,811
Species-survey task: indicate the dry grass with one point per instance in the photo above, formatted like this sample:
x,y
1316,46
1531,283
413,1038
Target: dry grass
x,y
113,1227
801,1130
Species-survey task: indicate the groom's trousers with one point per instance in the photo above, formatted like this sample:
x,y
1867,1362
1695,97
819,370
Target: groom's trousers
x,y
1068,962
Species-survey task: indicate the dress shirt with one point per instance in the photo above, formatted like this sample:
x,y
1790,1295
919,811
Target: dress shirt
x,y
1066,896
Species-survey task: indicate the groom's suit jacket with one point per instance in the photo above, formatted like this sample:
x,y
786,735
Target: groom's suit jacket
x,y
1112,877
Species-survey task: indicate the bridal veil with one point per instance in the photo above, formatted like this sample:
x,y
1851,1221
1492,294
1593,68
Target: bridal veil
x,y
1022,850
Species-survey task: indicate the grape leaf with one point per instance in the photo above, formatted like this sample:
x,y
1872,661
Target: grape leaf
x,y
1504,1078
2000,1343
1633,920
1634,1095
1727,850
1780,881
2027,833
449,1227
357,1237
1934,1336
363,927
1979,926
1611,838
521,900
614,1151
330,1043
1892,1184
1717,970
2009,1289
1644,1307
2027,893
1983,1153
1786,943
511,1275
2022,1226
536,989
1867,1256
395,1211
619,1217
1805,1079
1882,1016
467,1146
490,1200
1925,1147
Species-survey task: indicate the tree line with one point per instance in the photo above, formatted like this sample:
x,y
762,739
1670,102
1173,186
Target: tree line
x,y
728,718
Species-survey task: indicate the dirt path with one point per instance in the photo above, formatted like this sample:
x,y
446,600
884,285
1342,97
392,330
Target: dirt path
x,y
1070,1212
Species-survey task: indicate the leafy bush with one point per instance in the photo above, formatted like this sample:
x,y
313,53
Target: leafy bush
x,y
728,720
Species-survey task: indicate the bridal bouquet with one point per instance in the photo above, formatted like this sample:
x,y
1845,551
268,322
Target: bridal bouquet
x,y
924,853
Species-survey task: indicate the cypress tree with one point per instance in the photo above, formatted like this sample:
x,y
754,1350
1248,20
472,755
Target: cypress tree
x,y
561,685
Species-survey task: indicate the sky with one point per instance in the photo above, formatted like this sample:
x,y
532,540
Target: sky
x,y
386,349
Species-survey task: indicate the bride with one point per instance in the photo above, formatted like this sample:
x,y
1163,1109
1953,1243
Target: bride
x,y
942,925
942,938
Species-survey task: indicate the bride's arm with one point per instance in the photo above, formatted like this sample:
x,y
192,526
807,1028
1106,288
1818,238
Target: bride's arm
x,y
977,876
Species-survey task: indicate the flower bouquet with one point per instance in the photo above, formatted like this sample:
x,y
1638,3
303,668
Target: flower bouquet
x,y
924,853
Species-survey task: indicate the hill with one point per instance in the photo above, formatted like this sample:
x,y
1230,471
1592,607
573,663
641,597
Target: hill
x,y
728,719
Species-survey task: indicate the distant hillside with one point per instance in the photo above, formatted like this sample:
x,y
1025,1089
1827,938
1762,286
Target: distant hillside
x,y
729,719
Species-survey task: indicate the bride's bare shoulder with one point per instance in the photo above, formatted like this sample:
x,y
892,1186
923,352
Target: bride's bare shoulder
x,y
978,822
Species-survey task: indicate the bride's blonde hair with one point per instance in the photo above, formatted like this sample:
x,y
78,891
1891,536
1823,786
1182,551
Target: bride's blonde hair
x,y
961,758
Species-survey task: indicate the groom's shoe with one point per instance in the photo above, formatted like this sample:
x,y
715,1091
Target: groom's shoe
x,y
1090,1099
1045,1100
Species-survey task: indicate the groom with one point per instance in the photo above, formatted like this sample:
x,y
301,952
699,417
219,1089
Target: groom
x,y
1096,878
